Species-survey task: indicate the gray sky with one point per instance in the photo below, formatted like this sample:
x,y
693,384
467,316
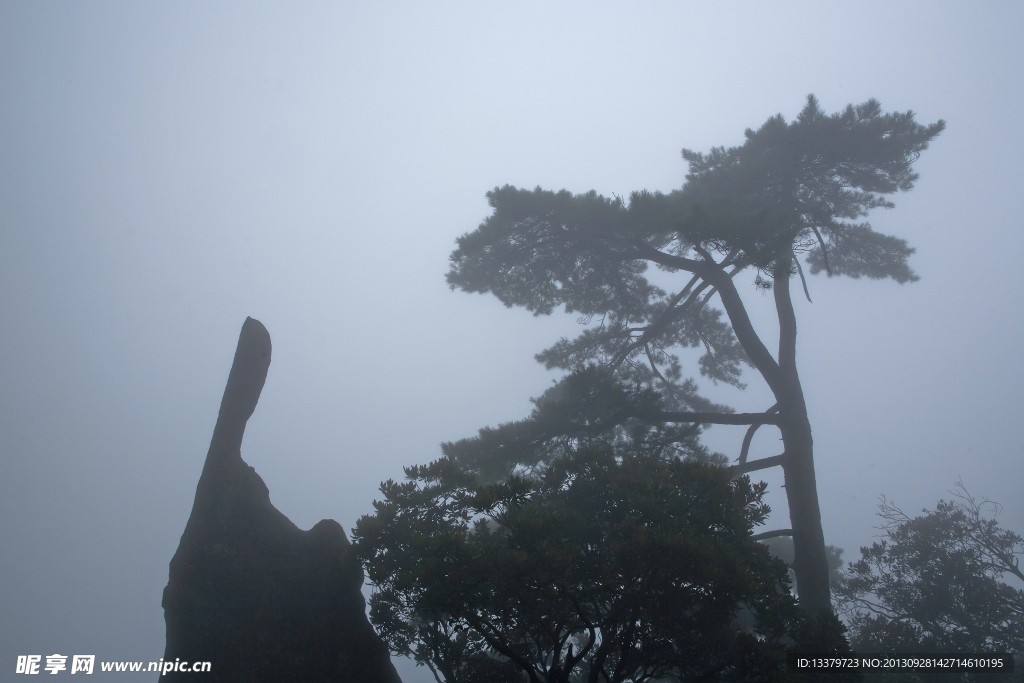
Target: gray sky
x,y
167,169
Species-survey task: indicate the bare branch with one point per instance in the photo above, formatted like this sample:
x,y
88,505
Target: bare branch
x,y
646,251
771,534
655,327
729,257
759,464
803,280
704,254
710,418
749,436
824,251
707,297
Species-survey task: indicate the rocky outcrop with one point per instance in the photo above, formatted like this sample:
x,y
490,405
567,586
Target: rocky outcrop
x,y
249,591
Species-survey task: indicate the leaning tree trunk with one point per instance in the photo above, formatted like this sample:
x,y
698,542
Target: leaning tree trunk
x,y
810,563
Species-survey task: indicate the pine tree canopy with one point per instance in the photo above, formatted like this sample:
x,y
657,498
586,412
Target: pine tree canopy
x,y
797,186
791,189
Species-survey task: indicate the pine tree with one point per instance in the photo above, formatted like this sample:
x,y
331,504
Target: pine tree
x,y
791,190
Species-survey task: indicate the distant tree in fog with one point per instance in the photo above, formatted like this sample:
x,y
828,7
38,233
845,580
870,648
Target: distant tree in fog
x,y
934,582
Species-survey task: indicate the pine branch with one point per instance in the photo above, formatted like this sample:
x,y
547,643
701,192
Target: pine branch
x,y
759,464
709,418
771,534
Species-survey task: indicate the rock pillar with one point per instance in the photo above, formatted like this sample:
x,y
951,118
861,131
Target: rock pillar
x,y
249,591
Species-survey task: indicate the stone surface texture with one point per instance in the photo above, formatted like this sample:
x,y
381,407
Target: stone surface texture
x,y
248,590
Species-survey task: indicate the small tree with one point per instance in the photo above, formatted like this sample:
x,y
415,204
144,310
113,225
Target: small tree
x,y
791,190
597,570
933,583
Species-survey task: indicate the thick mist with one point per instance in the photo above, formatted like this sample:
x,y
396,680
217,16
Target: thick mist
x,y
168,169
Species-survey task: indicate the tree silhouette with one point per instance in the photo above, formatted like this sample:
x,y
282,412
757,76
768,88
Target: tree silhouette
x,y
791,190
934,582
599,569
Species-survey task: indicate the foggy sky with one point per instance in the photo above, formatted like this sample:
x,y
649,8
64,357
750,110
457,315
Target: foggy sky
x,y
167,169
